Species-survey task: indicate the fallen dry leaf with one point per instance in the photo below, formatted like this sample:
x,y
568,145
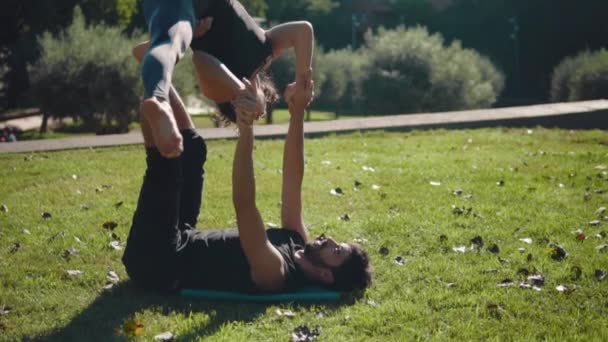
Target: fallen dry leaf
x,y
15,247
505,283
558,252
368,168
383,251
68,253
580,235
452,285
115,245
595,223
435,183
457,192
459,249
494,249
477,242
285,313
110,225
336,192
399,260
564,288
304,334
5,309
345,218
46,215
461,210
112,277
118,205
166,336
602,248
4,208
526,240
375,187
74,273
534,282
600,274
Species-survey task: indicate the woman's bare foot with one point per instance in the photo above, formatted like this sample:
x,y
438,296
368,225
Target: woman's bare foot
x,y
166,136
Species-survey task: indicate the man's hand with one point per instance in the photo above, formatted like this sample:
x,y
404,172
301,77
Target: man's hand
x,y
202,27
299,97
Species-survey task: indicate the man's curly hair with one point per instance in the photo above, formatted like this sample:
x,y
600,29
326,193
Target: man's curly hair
x,y
355,273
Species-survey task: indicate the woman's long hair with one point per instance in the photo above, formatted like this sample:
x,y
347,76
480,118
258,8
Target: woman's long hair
x,y
226,112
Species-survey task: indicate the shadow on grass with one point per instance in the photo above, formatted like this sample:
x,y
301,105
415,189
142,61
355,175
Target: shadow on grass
x,y
103,319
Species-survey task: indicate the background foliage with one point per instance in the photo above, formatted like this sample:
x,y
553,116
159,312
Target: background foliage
x,y
526,40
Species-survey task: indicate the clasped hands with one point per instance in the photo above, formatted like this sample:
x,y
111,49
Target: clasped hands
x,y
250,103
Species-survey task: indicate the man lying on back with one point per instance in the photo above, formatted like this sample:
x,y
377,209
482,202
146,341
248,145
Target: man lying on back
x,y
164,252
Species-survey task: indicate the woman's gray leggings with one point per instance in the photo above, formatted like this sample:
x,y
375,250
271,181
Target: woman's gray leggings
x,y
170,24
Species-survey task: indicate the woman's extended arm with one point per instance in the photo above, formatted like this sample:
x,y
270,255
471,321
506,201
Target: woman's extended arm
x,y
300,36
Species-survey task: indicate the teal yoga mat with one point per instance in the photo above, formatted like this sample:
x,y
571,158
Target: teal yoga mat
x,y
304,295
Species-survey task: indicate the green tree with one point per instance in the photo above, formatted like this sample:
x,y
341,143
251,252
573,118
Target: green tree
x,y
94,83
417,72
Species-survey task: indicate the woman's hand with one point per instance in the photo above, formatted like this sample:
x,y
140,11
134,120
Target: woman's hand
x,y
246,104
251,99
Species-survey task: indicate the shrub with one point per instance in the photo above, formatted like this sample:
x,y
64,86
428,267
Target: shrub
x,y
410,70
583,77
88,74
343,71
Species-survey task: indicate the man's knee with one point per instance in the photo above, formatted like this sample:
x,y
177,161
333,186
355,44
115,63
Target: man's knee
x,y
194,146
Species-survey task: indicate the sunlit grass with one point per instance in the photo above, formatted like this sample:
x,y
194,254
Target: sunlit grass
x,y
553,182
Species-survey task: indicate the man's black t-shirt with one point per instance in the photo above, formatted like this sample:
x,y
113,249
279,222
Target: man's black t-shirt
x,y
215,260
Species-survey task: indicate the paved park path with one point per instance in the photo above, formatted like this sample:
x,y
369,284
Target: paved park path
x,y
575,115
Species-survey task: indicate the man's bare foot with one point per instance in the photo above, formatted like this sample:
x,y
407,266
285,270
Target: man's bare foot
x,y
166,136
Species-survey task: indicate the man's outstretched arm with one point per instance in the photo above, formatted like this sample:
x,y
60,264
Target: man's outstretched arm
x,y
266,263
293,160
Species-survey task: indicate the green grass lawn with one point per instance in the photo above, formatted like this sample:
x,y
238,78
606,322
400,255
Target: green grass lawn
x,y
422,195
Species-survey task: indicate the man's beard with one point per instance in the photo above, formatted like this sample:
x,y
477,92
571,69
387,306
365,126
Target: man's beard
x,y
313,254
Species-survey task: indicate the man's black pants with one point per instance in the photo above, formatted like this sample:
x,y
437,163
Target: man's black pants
x,y
169,204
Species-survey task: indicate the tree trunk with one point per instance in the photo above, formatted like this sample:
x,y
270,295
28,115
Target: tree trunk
x,y
269,111
308,114
44,125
